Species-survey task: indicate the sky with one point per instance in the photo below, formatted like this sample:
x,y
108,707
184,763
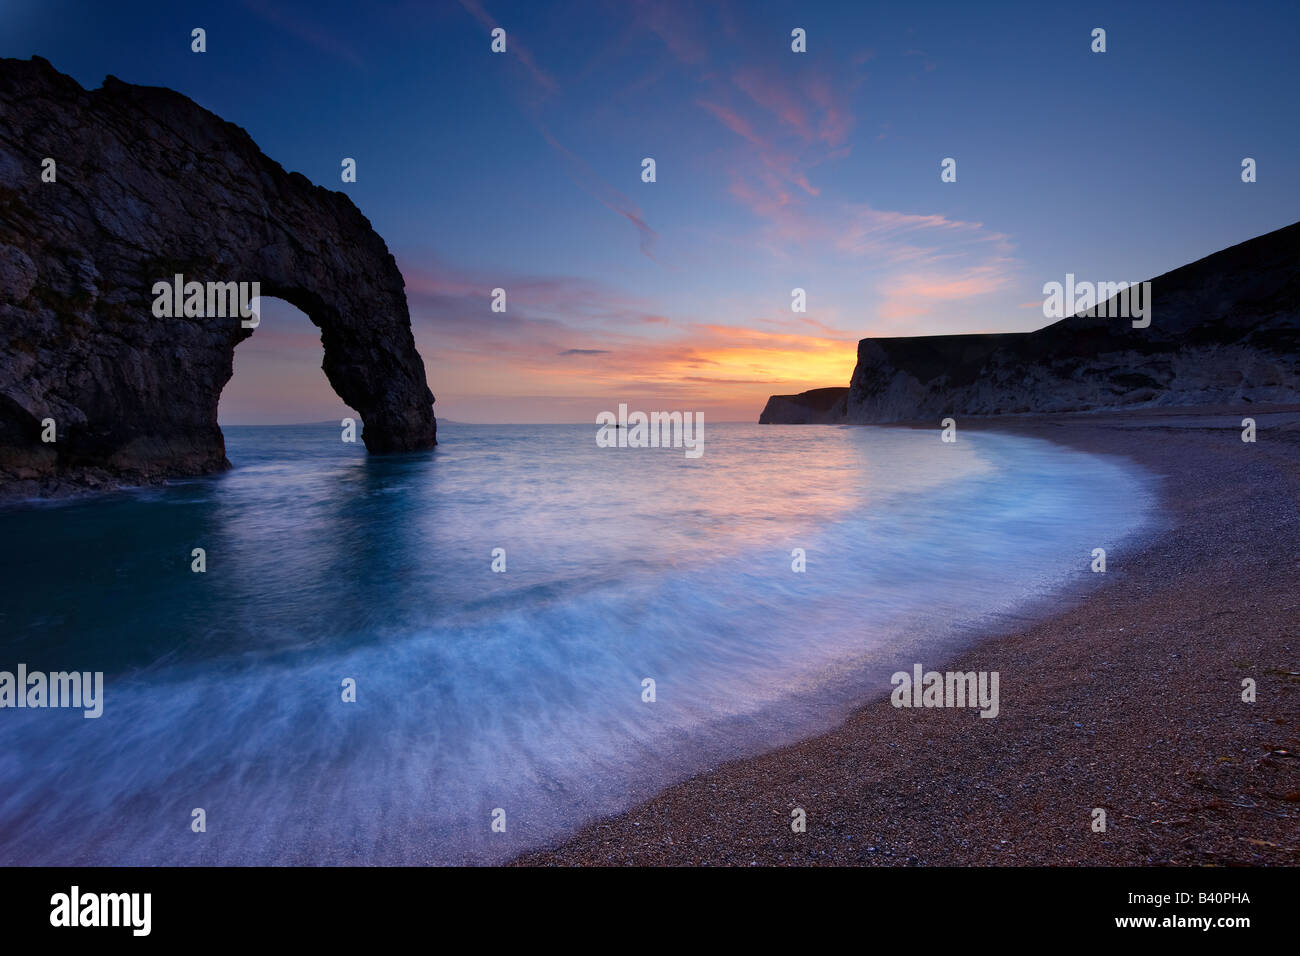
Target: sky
x,y
775,170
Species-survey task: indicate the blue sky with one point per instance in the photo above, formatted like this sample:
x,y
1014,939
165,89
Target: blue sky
x,y
775,170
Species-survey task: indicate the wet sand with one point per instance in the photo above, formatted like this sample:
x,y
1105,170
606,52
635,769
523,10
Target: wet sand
x,y
1130,701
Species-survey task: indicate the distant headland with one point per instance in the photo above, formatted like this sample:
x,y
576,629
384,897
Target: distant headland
x,y
1224,330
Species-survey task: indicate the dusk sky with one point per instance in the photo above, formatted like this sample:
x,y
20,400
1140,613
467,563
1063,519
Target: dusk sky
x,y
775,170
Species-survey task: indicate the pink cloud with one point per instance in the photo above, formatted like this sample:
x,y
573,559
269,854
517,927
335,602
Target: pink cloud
x,y
793,125
675,27
542,84
836,121
585,177
775,99
819,115
513,46
917,294
893,235
565,336
734,122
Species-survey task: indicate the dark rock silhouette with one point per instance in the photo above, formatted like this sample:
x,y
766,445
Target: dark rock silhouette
x,y
1225,330
149,185
818,406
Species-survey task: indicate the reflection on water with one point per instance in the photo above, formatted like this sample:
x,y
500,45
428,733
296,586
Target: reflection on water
x,y
478,690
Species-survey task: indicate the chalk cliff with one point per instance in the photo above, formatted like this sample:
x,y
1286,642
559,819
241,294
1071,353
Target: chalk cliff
x,y
147,185
1224,330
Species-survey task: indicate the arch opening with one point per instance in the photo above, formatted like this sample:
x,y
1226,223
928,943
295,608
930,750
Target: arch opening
x,y
278,374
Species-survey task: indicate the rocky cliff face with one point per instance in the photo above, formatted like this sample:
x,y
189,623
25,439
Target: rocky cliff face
x,y
148,185
818,406
1224,330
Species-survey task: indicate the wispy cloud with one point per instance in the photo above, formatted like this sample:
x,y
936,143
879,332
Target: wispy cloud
x,y
812,107
588,180
911,295
472,351
533,92
305,28
514,47
675,26
793,120
900,236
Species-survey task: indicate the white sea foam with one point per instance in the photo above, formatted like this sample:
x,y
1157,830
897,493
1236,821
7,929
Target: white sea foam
x,y
520,690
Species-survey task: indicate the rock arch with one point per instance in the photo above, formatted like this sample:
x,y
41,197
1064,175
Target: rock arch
x,y
150,185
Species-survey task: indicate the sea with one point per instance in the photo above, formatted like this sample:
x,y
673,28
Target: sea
x,y
456,656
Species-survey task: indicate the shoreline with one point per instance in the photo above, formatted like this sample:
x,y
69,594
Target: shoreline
x,y
1128,700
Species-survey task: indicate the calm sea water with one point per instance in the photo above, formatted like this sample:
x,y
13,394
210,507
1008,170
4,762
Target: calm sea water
x,y
479,690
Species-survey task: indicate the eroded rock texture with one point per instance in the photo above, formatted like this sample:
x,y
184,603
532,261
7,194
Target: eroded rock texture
x,y
1224,330
149,185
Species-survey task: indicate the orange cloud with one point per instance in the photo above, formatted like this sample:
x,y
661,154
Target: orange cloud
x,y
565,341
